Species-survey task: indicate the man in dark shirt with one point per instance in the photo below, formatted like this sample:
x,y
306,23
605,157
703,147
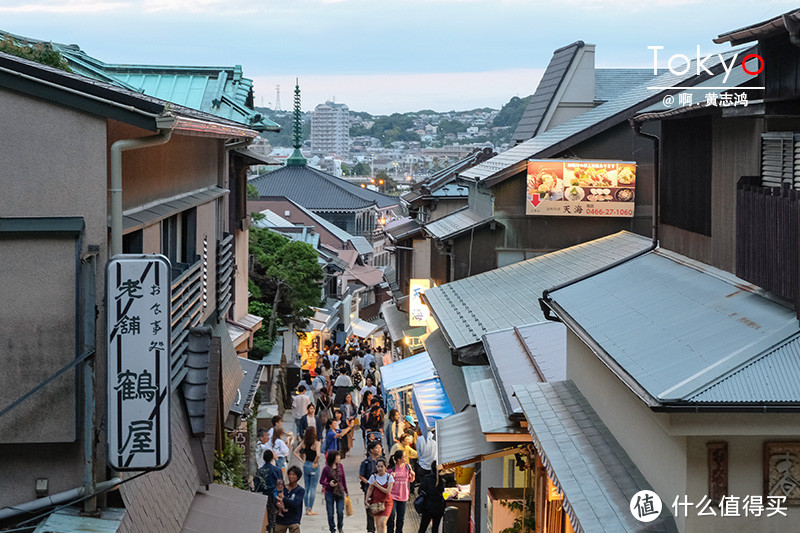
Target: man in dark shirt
x,y
367,468
293,501
264,482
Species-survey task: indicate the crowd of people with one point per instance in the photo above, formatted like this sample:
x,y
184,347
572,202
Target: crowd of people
x,y
342,396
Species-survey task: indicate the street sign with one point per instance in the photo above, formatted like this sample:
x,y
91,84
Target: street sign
x,y
138,384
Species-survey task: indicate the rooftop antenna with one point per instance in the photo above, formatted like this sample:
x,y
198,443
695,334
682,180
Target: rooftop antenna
x,y
297,159
278,97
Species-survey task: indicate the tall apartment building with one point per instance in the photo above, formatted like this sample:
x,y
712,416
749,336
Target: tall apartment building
x,y
330,129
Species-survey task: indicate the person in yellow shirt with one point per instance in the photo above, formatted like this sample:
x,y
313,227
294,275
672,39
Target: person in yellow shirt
x,y
405,445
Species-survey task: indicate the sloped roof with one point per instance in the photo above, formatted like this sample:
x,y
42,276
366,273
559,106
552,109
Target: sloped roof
x,y
769,378
136,108
675,327
612,82
402,228
583,459
444,177
761,30
504,297
318,190
220,91
456,223
546,91
584,126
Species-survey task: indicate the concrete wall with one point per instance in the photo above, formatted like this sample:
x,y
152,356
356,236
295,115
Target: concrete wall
x,y
442,208
240,286
421,257
660,457
54,164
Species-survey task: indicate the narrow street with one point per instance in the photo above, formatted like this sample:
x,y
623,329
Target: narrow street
x,y
357,522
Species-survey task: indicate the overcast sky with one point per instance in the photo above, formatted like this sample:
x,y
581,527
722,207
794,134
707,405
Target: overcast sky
x,y
383,56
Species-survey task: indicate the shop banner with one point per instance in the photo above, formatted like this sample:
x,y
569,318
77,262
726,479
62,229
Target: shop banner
x,y
418,311
138,296
558,187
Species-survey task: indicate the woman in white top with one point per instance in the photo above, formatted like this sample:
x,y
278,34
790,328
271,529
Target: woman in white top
x,y
380,487
280,449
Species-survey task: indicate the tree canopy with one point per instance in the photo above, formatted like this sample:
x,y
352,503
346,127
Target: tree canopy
x,y
285,282
511,113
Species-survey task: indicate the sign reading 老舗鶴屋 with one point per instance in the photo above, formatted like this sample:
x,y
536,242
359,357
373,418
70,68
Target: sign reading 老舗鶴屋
x,y
418,312
138,382
558,187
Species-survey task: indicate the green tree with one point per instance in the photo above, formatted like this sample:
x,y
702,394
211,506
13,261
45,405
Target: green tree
x,y
361,169
451,126
511,113
287,275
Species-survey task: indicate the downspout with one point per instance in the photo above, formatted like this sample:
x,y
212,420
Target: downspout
x,y
123,145
544,301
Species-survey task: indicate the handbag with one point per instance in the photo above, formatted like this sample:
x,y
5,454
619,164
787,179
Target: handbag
x,y
348,506
377,508
419,503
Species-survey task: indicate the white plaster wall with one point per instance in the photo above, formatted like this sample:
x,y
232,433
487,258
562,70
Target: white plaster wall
x,y
421,268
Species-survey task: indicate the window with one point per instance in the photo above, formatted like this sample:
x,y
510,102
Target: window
x,y
132,242
179,238
686,174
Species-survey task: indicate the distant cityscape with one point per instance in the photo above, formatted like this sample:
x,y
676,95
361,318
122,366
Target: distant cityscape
x,y
405,148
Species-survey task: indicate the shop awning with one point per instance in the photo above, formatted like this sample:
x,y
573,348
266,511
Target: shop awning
x,y
431,403
396,320
224,508
406,372
585,461
460,441
452,376
362,328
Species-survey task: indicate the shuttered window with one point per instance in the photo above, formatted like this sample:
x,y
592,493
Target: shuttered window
x,y
779,150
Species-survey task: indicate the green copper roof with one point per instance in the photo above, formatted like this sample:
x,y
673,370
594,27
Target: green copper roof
x,y
220,91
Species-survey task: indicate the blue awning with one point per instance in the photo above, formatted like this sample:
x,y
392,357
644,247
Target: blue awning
x,y
430,403
406,372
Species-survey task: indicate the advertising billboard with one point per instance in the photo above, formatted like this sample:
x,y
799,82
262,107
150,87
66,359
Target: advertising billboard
x,y
418,311
560,187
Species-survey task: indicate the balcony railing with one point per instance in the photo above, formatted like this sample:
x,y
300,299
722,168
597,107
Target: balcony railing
x,y
768,237
225,267
187,304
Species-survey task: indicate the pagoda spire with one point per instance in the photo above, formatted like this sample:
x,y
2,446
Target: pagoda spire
x,y
297,159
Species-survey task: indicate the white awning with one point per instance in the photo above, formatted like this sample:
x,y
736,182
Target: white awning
x,y
362,328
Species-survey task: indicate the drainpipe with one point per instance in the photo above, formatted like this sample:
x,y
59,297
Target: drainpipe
x,y
544,301
56,499
123,145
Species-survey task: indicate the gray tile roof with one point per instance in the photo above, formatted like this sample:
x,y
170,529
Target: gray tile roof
x,y
475,373
676,326
513,357
402,228
604,116
359,243
451,376
456,223
252,375
584,460
612,82
318,190
138,218
458,440
504,297
546,90
769,378
491,413
196,382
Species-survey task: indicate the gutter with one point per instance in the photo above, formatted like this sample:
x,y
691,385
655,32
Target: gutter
x,y
545,302
165,125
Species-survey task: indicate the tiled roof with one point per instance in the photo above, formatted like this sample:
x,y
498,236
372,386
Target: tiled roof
x,y
676,326
318,190
769,378
585,461
94,88
583,126
457,440
443,178
612,82
546,90
402,228
475,373
504,297
362,245
492,414
513,357
220,91
760,30
456,223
